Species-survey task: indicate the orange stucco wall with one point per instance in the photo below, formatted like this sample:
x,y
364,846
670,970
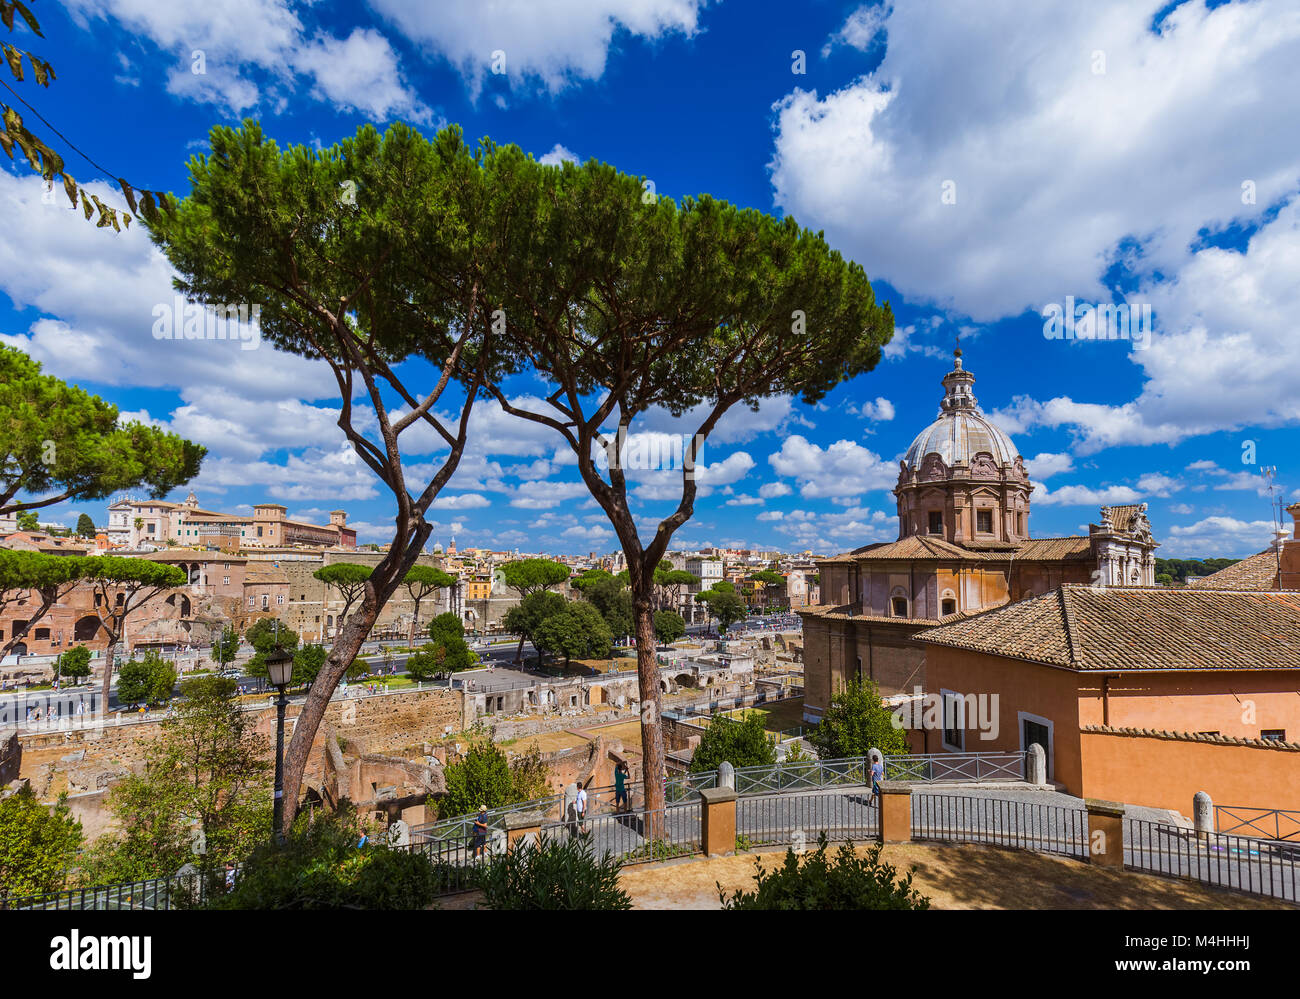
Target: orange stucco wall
x,y
1019,686
1166,773
1238,704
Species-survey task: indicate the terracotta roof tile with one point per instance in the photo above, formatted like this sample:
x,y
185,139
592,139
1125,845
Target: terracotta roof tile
x,y
1137,628
1259,572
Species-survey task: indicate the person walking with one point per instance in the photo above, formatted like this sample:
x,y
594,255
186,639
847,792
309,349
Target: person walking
x,y
580,808
877,775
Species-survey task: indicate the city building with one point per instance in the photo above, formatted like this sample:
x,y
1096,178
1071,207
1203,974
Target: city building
x,y
156,523
1136,694
963,547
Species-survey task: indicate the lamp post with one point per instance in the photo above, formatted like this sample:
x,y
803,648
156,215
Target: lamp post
x,y
279,667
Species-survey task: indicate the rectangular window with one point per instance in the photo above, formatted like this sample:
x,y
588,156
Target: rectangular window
x,y
225,580
259,532
1276,734
900,606
984,521
279,598
936,521
266,601
949,607
43,635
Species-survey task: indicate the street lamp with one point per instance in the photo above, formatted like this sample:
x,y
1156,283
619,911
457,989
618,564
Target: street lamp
x,y
279,667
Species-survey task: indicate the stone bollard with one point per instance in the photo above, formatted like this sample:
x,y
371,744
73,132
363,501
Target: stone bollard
x,y
726,775
895,811
1105,833
1036,765
718,821
1202,814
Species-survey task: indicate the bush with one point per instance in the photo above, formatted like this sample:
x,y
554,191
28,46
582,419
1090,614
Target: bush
x,y
320,867
555,875
849,882
741,743
37,843
856,721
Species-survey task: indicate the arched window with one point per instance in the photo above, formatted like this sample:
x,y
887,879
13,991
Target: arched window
x,y
899,605
947,603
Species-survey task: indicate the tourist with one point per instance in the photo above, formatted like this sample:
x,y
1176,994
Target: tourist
x,y
877,775
580,807
480,831
620,787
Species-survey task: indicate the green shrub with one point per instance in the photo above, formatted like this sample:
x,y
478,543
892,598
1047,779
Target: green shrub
x,y
556,875
320,866
848,882
741,743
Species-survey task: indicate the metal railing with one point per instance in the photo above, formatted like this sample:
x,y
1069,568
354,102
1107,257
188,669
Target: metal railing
x,y
156,893
639,836
1243,863
1024,825
1266,823
972,767
797,820
460,828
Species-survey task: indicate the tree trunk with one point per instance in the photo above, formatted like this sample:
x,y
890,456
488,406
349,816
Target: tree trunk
x,y
519,652
107,683
652,733
347,643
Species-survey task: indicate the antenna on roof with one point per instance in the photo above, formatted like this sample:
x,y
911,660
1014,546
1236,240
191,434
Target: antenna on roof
x,y
1274,512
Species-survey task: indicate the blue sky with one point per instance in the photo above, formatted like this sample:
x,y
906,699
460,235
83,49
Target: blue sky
x,y
981,162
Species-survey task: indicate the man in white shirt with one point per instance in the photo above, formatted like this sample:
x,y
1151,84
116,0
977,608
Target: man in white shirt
x,y
581,807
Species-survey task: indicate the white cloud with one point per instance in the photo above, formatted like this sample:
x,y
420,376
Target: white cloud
x,y
555,43
558,154
1182,509
862,27
869,163
1045,465
1084,495
882,410
742,500
103,287
771,490
460,501
844,468
1218,537
244,47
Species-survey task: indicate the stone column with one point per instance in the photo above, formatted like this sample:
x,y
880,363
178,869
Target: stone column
x,y
1105,833
1202,814
718,821
726,775
895,811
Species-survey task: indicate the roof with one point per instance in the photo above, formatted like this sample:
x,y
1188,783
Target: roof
x,y
931,547
1136,628
914,547
1258,572
1122,517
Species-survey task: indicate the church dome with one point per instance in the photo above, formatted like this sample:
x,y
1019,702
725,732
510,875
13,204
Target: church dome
x,y
961,430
